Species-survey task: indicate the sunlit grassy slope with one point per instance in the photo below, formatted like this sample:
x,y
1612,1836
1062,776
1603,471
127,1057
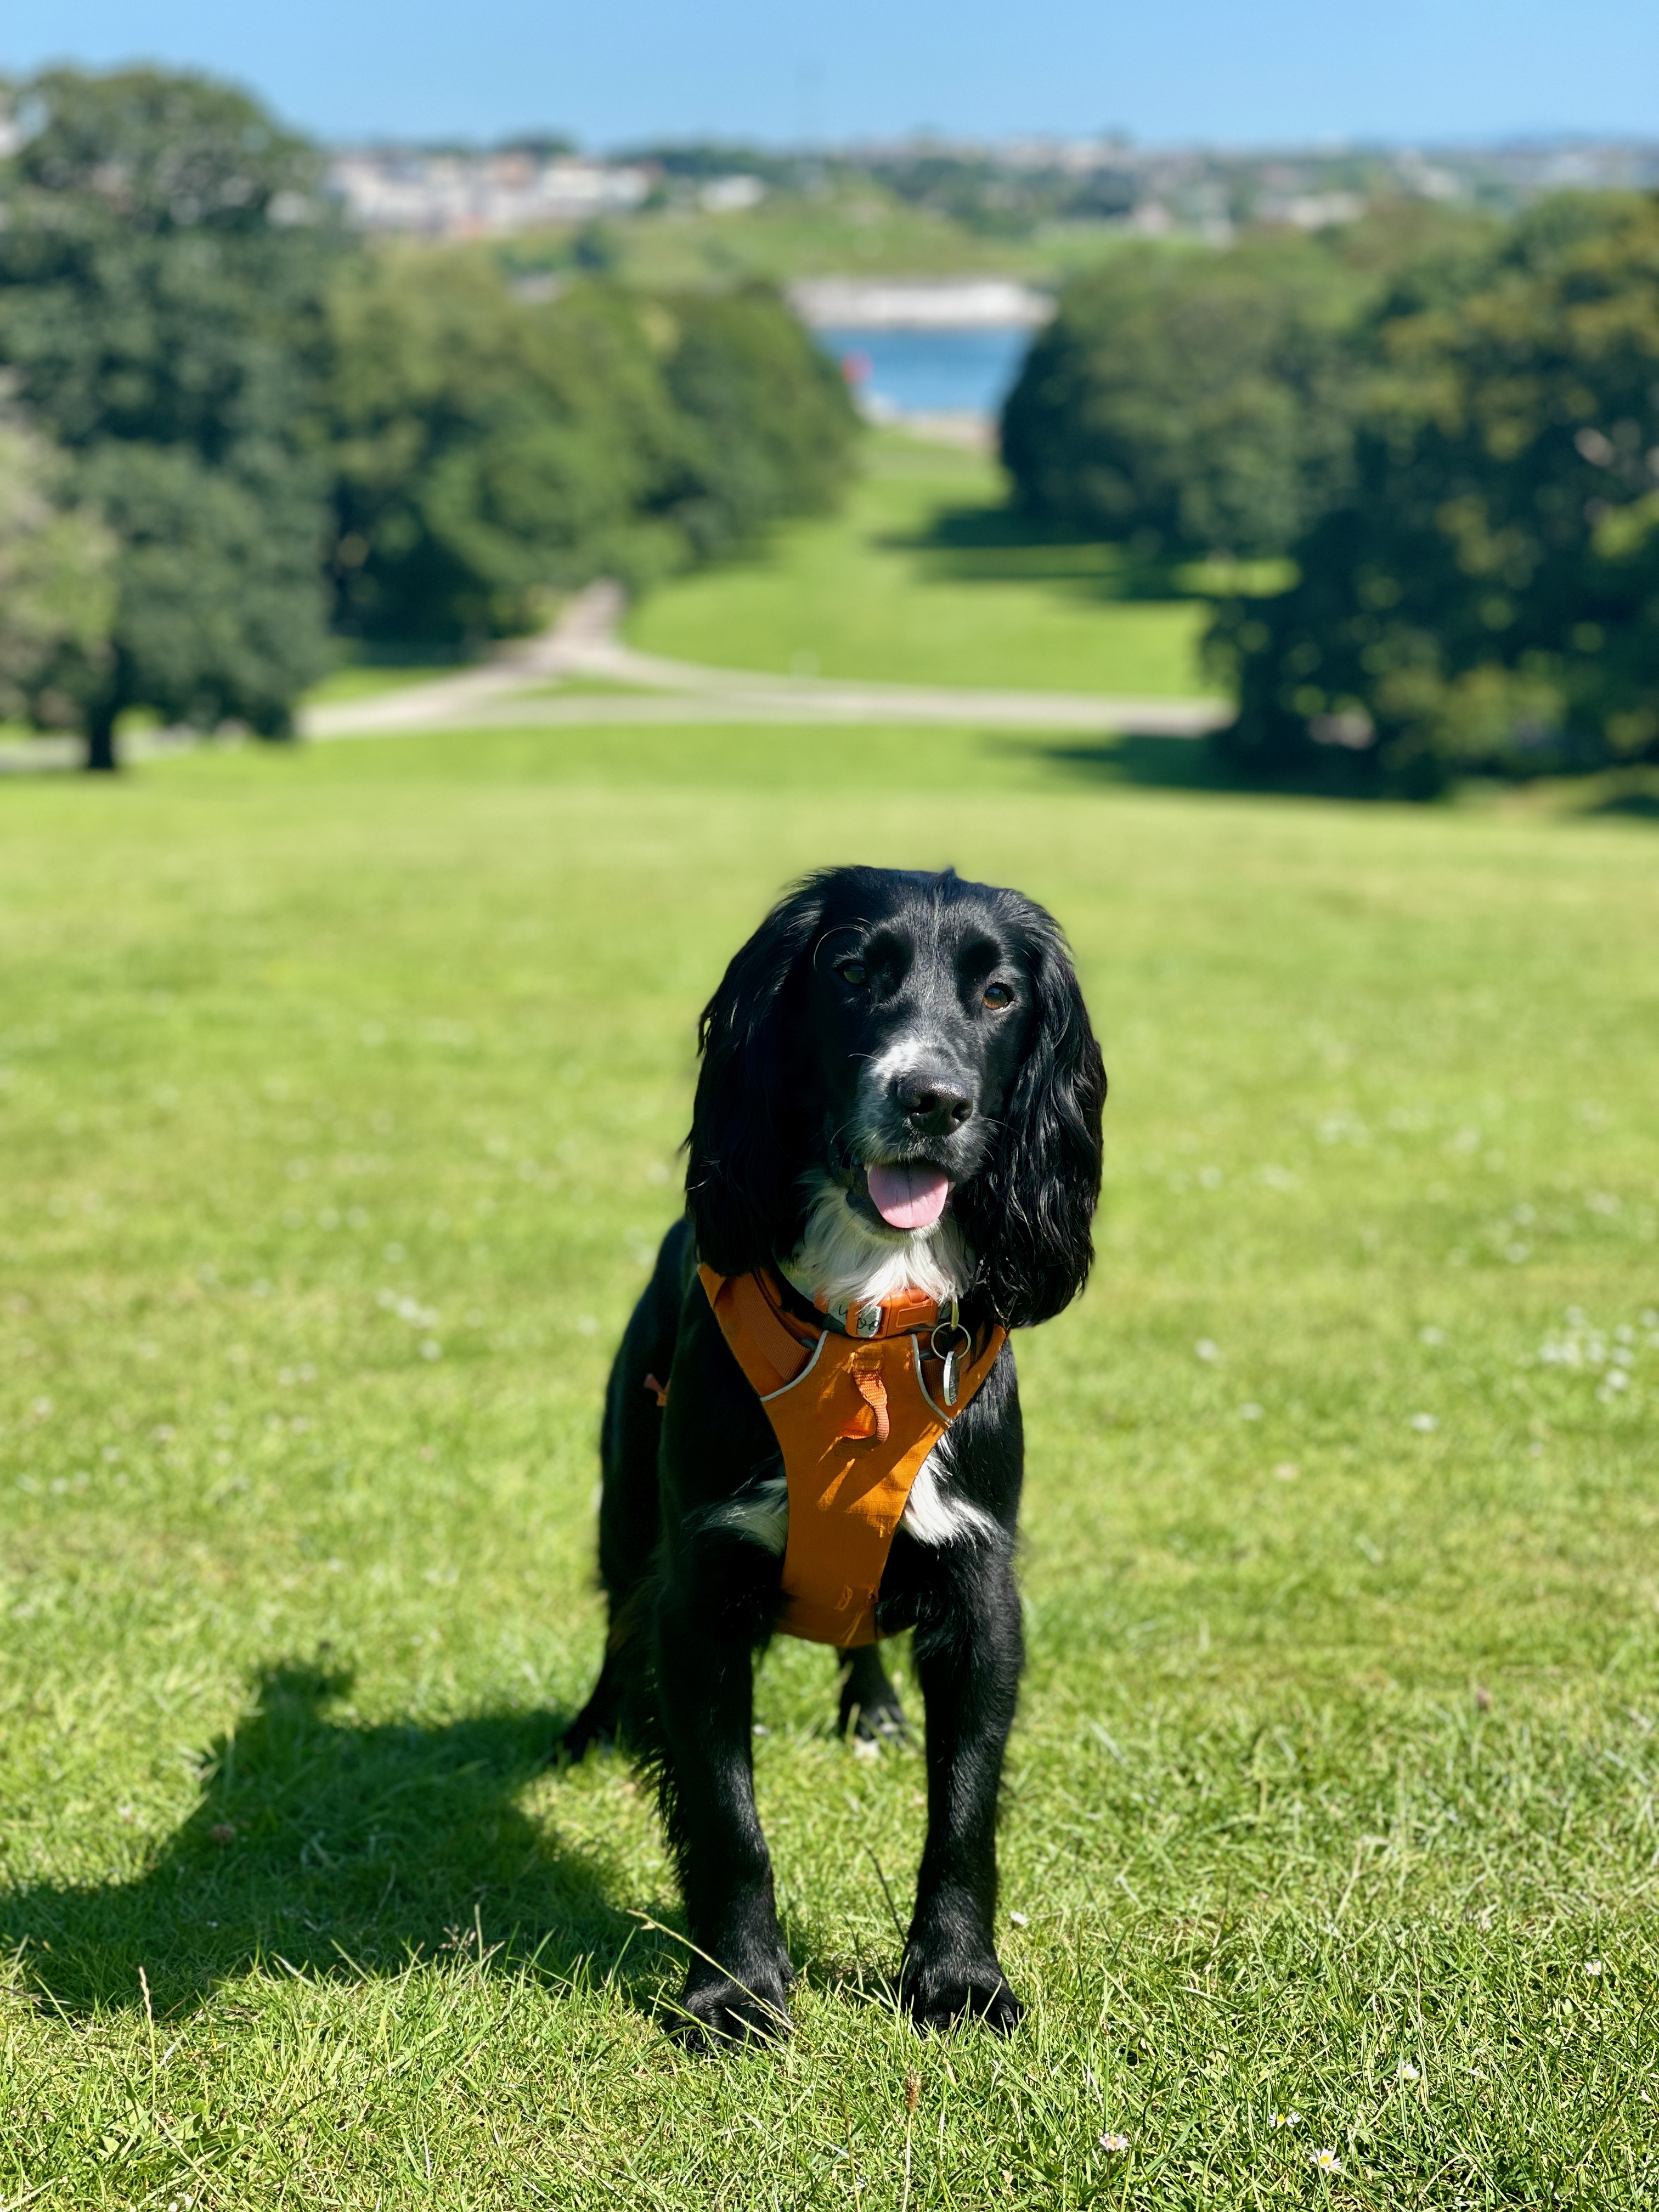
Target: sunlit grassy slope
x,y
923,578
853,229
367,679
341,1092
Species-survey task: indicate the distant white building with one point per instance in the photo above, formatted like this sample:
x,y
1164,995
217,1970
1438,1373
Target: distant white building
x,y
480,195
730,195
974,303
1311,210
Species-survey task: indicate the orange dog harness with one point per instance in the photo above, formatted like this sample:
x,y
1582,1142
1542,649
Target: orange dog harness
x,y
855,1416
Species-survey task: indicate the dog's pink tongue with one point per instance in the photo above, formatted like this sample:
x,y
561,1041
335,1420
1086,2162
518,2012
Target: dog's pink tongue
x,y
909,1197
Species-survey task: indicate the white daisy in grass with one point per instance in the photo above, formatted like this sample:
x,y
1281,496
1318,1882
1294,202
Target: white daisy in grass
x,y
1114,2143
1285,2119
1325,2162
1593,1967
1408,2071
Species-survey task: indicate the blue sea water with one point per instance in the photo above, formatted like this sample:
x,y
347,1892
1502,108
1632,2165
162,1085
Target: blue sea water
x,y
940,372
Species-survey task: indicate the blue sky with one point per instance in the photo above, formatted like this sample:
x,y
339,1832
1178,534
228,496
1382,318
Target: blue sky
x,y
1270,71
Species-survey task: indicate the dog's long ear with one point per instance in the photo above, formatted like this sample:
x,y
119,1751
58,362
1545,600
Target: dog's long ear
x,y
744,1151
1032,1210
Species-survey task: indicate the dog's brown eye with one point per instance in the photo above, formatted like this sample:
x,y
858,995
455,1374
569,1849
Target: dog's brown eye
x,y
854,972
997,996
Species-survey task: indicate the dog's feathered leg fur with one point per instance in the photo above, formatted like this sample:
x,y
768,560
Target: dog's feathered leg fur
x,y
737,1978
690,1601
968,1653
714,1601
630,1514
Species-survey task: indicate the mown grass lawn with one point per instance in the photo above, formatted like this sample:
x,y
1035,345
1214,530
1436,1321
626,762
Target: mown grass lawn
x,y
924,577
341,1093
367,679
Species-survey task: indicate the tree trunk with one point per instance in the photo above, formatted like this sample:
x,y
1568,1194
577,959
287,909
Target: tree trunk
x,y
101,742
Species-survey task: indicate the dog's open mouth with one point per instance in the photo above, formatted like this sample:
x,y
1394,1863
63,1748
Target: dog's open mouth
x,y
908,1195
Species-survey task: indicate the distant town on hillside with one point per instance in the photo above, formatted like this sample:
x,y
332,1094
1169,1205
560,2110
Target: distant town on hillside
x,y
1010,190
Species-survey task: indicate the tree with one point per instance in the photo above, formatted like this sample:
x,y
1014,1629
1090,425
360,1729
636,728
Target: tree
x,y
486,450
161,261
1187,399
1487,593
56,596
1194,401
489,450
217,614
773,425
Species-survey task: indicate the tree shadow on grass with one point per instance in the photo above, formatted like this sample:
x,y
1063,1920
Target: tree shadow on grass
x,y
334,1846
1144,760
1630,805
1167,763
999,545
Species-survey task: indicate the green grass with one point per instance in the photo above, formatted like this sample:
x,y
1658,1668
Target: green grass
x,y
925,579
342,1088
367,679
584,687
858,230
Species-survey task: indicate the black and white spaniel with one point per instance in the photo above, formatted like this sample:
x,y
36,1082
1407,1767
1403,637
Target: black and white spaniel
x,y
899,1090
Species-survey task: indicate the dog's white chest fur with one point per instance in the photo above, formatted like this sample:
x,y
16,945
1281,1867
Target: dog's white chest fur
x,y
843,1261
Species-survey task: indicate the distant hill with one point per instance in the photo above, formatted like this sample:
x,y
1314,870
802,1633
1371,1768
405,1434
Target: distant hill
x,y
708,213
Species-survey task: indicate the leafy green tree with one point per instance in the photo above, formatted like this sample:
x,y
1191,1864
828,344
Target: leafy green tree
x,y
162,253
56,595
773,425
1187,400
218,610
1192,401
489,450
1487,594
486,449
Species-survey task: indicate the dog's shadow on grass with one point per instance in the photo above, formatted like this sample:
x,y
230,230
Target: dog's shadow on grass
x,y
328,1845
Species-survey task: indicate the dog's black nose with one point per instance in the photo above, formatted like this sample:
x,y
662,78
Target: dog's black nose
x,y
933,1105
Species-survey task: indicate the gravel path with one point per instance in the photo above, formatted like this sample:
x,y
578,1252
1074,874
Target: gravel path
x,y
519,687
584,643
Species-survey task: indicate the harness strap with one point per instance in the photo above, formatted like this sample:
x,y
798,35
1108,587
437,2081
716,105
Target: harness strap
x,y
768,1350
873,1391
855,1419
906,1313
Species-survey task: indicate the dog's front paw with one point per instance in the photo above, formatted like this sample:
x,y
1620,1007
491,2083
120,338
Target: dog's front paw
x,y
719,2011
944,1992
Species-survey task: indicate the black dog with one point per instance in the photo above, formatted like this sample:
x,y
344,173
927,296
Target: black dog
x,y
900,1090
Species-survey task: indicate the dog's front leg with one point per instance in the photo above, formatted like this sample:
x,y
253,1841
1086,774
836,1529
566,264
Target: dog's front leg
x,y
968,1654
739,1973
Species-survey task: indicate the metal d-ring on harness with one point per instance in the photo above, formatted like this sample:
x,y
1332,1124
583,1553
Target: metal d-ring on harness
x,y
952,1355
959,1339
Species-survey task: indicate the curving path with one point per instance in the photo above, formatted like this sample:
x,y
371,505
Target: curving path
x,y
516,688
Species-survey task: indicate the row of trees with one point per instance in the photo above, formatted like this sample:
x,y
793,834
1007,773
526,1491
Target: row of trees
x,y
228,429
1446,433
